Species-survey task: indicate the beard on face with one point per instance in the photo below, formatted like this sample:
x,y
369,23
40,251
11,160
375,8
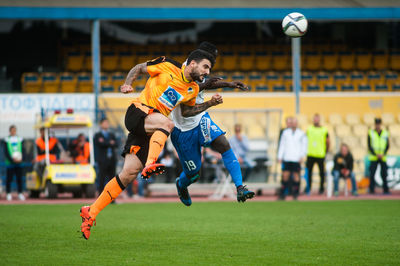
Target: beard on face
x,y
196,76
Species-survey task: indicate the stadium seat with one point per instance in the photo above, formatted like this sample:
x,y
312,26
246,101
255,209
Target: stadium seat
x,y
31,82
380,60
74,61
229,61
280,61
256,132
330,87
87,62
381,87
117,79
262,61
363,60
340,78
364,87
85,83
388,119
342,130
51,83
106,85
109,61
352,119
374,78
396,87
142,57
352,141
255,79
358,153
346,60
246,61
313,87
357,78
368,119
360,130
395,60
335,119
68,82
287,80
329,61
272,79
391,78
127,60
323,78
262,87
279,87
307,79
312,61
394,130
178,56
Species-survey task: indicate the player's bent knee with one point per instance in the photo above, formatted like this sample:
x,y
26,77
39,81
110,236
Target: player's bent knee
x,y
221,144
128,175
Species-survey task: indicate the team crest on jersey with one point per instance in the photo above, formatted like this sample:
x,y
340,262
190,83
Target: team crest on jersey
x,y
170,98
190,90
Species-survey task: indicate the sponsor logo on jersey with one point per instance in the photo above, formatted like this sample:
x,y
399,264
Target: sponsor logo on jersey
x,y
205,129
170,98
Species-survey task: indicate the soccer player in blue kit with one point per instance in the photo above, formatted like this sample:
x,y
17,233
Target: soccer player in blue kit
x,y
195,129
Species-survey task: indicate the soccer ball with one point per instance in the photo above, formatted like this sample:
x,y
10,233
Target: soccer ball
x,y
295,25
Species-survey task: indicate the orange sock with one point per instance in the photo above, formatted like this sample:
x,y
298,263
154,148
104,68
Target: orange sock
x,y
110,193
157,142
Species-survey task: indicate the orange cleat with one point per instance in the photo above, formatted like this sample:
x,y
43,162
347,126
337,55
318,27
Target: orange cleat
x,y
153,169
87,222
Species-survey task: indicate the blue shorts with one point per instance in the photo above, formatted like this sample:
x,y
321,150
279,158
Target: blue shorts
x,y
188,143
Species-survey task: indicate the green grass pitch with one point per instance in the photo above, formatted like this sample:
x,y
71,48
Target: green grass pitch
x,y
215,233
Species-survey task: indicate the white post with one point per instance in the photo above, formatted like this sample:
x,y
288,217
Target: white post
x,y
296,71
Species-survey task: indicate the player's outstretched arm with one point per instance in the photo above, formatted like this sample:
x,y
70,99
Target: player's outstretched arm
x,y
198,108
132,76
217,82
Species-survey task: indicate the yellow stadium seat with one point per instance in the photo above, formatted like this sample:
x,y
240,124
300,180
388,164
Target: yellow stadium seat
x,y
255,132
31,82
229,61
380,60
330,87
51,83
272,79
178,56
127,60
106,85
287,80
380,87
388,118
329,61
307,79
117,79
363,60
262,61
324,78
395,61
368,119
68,82
340,78
85,83
342,130
218,64
352,141
109,61
255,79
360,130
391,78
74,61
357,78
142,57
374,78
312,61
346,61
246,61
358,153
280,61
364,87
352,119
335,119
87,62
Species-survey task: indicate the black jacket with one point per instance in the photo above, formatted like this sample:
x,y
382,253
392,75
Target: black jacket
x,y
342,162
102,144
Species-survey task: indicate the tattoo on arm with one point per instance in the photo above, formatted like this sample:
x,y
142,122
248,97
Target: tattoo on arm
x,y
194,110
135,72
214,85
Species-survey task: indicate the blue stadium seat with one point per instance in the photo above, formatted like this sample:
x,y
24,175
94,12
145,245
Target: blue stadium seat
x,y
381,87
364,87
330,87
312,87
347,87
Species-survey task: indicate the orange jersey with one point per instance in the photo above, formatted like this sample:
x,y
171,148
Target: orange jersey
x,y
167,88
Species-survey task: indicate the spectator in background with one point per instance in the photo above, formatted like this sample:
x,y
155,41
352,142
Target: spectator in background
x,y
240,146
318,146
105,144
40,143
343,167
292,151
14,154
80,150
378,146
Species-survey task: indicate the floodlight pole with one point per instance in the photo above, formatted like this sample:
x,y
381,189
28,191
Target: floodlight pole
x,y
96,64
296,71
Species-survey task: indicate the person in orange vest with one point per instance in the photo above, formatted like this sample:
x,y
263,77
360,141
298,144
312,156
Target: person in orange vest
x,y
79,150
41,147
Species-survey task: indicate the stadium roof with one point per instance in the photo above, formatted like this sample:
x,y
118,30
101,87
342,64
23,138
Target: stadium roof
x,y
199,10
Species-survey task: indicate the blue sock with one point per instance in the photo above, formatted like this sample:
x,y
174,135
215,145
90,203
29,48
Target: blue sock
x,y
184,182
232,164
